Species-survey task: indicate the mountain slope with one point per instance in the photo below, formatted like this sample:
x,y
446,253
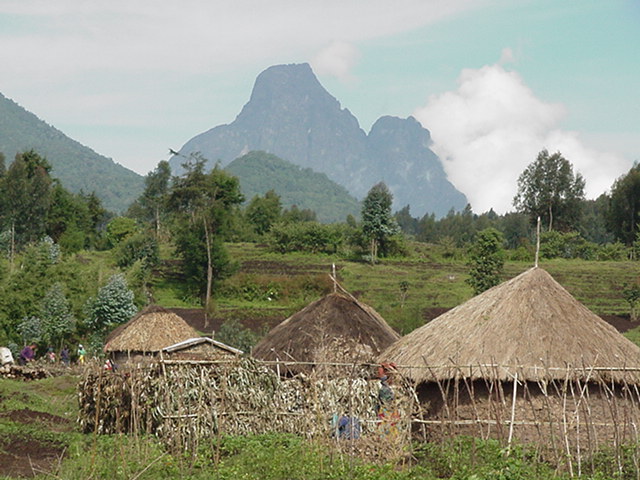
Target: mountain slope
x,y
292,116
260,172
76,166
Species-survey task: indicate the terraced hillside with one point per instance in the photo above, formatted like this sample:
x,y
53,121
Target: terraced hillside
x,y
268,287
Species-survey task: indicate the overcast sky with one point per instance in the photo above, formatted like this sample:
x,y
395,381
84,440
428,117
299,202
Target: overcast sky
x,y
495,81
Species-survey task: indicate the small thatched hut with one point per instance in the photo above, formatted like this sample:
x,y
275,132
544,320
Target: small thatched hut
x,y
146,334
336,328
529,338
200,348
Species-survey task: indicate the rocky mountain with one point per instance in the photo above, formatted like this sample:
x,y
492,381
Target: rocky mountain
x,y
260,172
292,116
77,167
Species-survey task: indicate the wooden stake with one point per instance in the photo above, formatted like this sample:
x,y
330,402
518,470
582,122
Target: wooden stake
x,y
537,242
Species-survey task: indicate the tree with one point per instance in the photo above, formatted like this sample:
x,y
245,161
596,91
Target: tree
x,y
57,319
624,206
263,212
156,190
119,228
112,306
377,221
548,189
486,259
202,203
405,221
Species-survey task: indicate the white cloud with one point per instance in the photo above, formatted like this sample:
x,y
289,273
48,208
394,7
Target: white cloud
x,y
337,59
493,126
160,54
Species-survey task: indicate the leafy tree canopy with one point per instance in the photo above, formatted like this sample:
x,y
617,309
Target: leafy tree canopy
x,y
549,189
624,206
486,259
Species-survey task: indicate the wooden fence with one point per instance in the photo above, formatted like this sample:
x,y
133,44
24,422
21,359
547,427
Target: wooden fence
x,y
189,404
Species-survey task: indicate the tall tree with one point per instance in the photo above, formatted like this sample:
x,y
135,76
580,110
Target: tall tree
x,y
156,189
113,305
486,260
377,222
203,203
57,319
548,189
26,191
263,212
624,206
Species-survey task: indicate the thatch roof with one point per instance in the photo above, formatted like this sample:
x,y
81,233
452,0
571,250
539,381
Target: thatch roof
x,y
191,342
530,325
150,330
335,328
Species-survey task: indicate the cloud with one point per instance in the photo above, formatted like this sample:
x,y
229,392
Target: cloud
x,y
337,59
118,63
492,126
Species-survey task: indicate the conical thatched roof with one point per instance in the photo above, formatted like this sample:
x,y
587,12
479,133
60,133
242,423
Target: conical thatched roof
x,y
335,328
150,330
530,325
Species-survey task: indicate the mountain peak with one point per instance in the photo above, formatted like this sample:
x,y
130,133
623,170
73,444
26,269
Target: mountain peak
x,y
292,116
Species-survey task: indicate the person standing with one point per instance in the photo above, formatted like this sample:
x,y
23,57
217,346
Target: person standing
x,y
28,354
64,356
81,354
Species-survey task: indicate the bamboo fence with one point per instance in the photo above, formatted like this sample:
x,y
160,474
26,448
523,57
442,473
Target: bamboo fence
x,y
190,404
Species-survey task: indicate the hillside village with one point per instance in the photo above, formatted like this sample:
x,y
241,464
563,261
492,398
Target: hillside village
x,y
210,308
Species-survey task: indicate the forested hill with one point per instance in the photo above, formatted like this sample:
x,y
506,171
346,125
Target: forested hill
x,y
76,166
291,115
260,172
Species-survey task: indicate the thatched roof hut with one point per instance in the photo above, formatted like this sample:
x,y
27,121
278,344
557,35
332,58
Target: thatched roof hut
x,y
530,325
148,332
336,328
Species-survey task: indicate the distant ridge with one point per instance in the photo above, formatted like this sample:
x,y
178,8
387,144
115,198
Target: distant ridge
x,y
77,167
292,116
260,172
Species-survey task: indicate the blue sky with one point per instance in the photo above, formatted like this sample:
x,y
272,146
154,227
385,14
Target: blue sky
x,y
495,81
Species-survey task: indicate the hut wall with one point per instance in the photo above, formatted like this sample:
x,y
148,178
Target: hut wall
x,y
557,414
124,358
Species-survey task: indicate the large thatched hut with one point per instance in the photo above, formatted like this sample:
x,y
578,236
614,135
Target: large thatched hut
x,y
337,328
146,334
526,359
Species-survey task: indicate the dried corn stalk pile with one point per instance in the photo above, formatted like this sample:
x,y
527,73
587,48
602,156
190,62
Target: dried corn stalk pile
x,y
188,403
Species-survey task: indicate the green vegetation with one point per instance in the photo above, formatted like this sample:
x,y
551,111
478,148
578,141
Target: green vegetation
x,y
38,430
78,168
260,172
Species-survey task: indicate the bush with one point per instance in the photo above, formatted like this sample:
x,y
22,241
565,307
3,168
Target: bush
x,y
305,237
139,246
554,244
613,251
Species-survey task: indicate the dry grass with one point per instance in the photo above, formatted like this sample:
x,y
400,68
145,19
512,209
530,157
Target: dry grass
x,y
151,330
530,325
336,328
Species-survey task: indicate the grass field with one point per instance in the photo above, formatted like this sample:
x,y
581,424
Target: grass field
x,y
38,432
40,439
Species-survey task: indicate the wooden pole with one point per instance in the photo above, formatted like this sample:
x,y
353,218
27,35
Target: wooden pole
x,y
513,412
537,242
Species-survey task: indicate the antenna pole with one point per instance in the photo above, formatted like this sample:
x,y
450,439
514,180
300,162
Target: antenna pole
x,y
333,277
537,242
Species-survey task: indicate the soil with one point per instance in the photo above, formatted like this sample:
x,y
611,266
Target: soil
x,y
26,416
195,318
24,456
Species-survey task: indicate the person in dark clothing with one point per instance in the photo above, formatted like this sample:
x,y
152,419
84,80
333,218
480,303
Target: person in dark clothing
x,y
28,354
64,356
